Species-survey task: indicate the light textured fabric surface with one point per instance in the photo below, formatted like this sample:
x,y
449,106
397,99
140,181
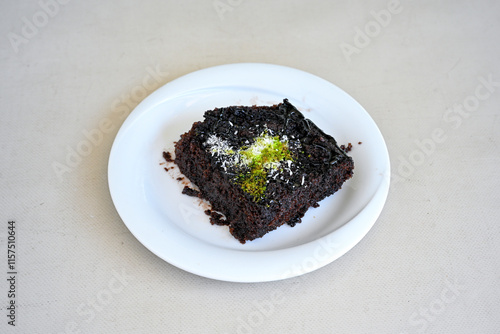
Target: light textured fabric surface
x,y
426,71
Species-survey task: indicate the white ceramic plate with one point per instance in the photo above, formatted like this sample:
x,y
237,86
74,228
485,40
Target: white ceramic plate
x,y
174,227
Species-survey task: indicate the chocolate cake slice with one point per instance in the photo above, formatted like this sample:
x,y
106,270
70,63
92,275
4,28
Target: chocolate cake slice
x,y
261,166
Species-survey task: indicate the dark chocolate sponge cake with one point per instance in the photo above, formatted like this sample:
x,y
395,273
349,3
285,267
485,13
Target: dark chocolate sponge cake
x,y
261,166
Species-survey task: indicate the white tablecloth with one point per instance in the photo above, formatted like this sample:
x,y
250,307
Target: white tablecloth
x,y
426,71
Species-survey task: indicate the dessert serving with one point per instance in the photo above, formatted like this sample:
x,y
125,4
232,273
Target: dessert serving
x,y
260,166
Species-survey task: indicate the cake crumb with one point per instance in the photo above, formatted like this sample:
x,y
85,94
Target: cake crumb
x,y
347,148
217,218
191,192
168,157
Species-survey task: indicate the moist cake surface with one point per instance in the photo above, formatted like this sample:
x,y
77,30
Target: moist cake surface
x,y
260,166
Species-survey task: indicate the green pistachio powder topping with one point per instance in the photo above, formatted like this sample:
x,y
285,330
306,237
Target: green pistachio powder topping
x,y
263,157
